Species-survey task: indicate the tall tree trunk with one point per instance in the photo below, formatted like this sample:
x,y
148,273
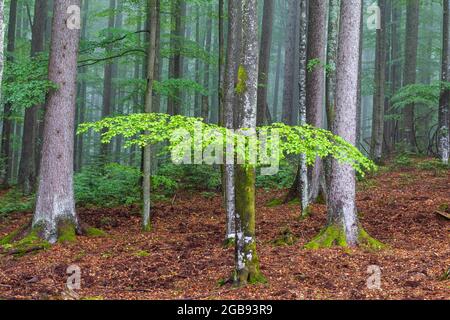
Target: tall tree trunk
x,y
197,100
276,89
315,85
264,60
108,83
222,58
376,147
27,167
409,77
343,227
2,40
289,63
55,204
206,74
229,114
6,150
246,257
445,92
303,98
146,222
176,65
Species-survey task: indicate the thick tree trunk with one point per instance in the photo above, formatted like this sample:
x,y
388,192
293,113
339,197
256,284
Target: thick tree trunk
x,y
55,204
27,167
264,60
409,77
276,89
246,257
6,150
288,93
376,148
197,99
444,101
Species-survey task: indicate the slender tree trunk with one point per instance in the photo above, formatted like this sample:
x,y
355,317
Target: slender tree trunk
x,y
445,92
315,86
409,77
27,167
229,114
206,75
288,93
247,263
146,223
303,92
376,148
276,88
264,60
2,41
197,100
6,150
108,84
55,204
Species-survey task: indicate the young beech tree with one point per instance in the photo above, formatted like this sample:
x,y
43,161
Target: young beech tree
x,y
246,257
151,56
55,214
229,98
343,226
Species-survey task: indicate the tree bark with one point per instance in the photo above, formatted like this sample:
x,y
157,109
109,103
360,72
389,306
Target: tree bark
x,y
55,204
246,257
2,40
206,74
288,93
376,148
6,150
264,60
409,77
444,100
27,166
342,206
146,222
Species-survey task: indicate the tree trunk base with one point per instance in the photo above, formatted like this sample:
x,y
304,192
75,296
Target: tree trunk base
x,y
334,236
229,243
245,277
29,239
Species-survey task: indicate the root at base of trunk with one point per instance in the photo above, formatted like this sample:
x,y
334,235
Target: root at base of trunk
x,y
245,277
334,236
30,239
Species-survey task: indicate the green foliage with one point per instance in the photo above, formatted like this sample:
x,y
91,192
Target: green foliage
x,y
424,94
108,186
170,86
403,160
14,201
25,84
282,180
312,142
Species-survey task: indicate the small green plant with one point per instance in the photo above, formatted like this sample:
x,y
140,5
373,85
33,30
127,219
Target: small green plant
x,y
403,161
14,201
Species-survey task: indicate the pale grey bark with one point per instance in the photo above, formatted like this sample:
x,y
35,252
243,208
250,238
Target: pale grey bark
x,y
247,264
229,99
148,104
302,83
342,206
55,197
376,148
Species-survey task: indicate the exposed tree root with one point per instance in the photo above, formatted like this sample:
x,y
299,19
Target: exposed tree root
x,y
334,235
29,239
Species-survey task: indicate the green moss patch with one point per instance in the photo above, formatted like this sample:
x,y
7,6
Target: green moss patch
x,y
95,233
330,236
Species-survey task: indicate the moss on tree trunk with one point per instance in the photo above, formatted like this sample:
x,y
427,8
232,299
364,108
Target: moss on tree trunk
x,y
247,264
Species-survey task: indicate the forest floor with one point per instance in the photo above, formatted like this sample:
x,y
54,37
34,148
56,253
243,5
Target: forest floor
x,y
183,257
